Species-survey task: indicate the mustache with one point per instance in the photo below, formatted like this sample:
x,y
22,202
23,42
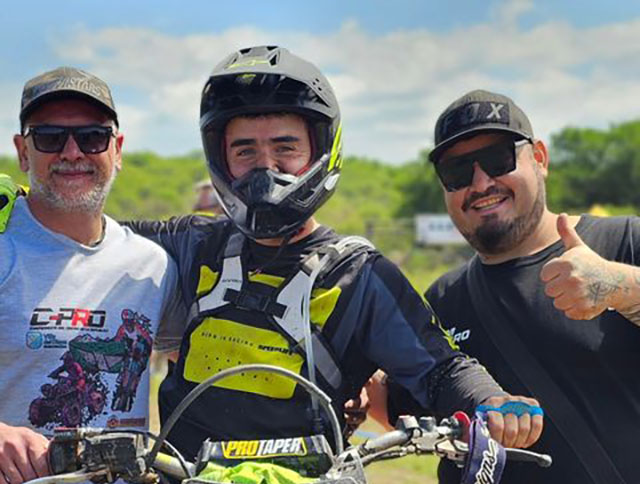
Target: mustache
x,y
493,190
68,166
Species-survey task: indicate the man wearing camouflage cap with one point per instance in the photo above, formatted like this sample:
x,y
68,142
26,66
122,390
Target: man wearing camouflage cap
x,y
68,272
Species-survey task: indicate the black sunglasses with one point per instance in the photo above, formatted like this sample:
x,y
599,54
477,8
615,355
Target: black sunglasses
x,y
91,139
496,160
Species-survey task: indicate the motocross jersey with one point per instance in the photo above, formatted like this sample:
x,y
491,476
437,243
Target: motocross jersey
x,y
364,310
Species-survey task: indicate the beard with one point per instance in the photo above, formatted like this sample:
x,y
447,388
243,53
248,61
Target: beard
x,y
87,201
497,236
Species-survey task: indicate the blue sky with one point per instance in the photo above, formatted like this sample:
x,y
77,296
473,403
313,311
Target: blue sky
x,y
394,64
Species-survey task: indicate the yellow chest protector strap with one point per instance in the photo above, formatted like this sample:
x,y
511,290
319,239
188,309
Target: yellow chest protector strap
x,y
231,278
9,191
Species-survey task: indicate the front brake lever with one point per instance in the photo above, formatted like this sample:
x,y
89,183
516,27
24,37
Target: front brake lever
x,y
453,450
522,455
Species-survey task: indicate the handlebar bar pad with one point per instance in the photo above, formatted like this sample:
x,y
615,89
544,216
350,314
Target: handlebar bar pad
x,y
311,456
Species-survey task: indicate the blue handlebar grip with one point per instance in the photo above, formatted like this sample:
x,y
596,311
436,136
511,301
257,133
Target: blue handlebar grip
x,y
516,408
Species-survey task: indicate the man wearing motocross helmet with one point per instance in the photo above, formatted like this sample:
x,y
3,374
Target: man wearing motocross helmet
x,y
261,279
271,186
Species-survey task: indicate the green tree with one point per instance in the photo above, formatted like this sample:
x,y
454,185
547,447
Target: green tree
x,y
595,166
420,188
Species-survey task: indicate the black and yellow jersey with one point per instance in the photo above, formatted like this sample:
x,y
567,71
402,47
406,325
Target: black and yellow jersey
x,y
364,309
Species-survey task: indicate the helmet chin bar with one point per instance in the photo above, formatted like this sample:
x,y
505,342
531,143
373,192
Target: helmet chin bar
x,y
262,185
267,204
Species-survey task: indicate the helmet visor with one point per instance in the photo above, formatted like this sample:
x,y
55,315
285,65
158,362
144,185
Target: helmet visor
x,y
227,96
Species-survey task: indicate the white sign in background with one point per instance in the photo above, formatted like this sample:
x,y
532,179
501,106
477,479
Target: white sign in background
x,y
436,229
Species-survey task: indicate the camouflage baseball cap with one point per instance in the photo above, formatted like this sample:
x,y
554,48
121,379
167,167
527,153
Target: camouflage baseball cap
x,y
476,112
66,82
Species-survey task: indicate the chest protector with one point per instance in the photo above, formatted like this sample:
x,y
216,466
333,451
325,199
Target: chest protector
x,y
287,309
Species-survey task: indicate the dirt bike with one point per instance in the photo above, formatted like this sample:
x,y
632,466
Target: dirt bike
x,y
102,455
134,365
62,402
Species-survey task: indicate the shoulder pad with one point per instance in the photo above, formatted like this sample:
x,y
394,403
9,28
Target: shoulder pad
x,y
330,256
9,191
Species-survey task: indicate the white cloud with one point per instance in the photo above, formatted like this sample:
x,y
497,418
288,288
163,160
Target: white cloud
x,y
508,13
133,122
392,86
9,111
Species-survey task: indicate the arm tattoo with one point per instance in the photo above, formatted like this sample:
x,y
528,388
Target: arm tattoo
x,y
632,313
602,283
600,290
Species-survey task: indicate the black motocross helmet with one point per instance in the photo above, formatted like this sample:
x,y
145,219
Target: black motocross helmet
x,y
261,80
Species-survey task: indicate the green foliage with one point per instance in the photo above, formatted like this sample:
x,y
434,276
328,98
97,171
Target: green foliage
x,y
595,167
153,187
9,166
380,201
148,187
367,193
422,192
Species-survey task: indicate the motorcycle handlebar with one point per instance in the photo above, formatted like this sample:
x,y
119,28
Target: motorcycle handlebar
x,y
385,441
172,466
522,455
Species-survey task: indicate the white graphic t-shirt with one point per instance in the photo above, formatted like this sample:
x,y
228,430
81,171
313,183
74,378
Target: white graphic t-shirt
x,y
78,324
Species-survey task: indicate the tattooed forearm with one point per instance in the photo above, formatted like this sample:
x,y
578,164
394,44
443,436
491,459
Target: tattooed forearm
x,y
599,291
602,282
631,309
609,284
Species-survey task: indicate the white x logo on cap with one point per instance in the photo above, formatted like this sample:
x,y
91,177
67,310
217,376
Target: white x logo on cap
x,y
495,111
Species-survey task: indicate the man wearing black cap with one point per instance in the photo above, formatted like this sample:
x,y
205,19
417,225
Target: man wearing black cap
x,y
69,274
550,304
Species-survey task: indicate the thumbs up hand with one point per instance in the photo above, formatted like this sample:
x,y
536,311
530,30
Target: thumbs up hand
x,y
567,233
581,283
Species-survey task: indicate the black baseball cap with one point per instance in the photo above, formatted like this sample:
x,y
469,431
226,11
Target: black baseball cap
x,y
475,112
65,82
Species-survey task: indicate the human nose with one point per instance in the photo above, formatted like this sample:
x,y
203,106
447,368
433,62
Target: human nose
x,y
480,181
71,150
265,159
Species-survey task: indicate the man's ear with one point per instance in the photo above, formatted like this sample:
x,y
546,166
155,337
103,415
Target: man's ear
x,y
119,140
22,151
541,155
